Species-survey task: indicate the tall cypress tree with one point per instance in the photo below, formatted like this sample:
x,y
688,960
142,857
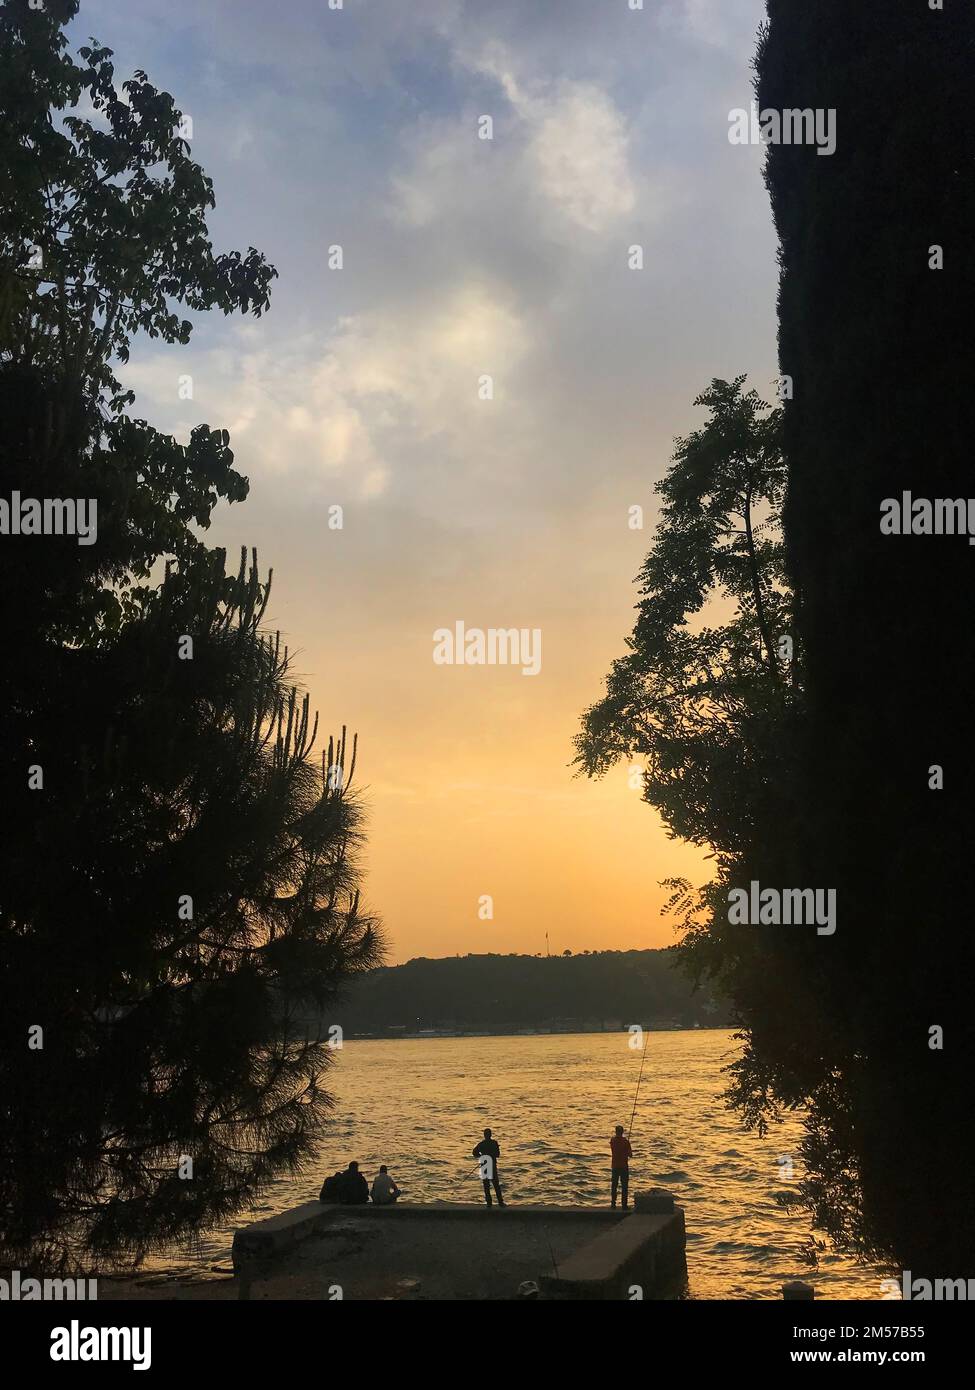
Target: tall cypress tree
x,y
876,309
178,881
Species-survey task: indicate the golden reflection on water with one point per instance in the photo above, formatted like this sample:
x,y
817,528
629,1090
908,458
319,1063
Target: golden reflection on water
x,y
552,1101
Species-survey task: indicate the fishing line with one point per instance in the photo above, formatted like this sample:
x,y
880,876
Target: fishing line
x,y
639,1079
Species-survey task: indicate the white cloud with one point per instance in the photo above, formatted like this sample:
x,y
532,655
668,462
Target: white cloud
x,y
566,146
580,153
328,408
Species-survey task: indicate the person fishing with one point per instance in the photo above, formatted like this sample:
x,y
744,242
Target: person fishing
x,y
619,1145
487,1153
622,1153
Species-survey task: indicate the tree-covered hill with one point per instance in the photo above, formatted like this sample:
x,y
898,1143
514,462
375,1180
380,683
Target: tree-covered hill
x,y
508,992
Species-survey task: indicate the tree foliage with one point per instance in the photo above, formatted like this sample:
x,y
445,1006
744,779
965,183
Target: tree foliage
x,y
705,689
854,772
103,237
875,339
508,992
181,882
710,698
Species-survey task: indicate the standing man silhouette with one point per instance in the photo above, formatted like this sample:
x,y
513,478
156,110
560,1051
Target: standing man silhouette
x,y
487,1153
622,1153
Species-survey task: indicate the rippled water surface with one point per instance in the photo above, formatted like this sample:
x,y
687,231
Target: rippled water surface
x,y
552,1102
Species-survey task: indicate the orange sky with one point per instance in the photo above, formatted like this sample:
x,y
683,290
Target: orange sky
x,y
465,768
465,258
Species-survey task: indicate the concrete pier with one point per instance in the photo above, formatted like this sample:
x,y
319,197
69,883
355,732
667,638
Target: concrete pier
x,y
462,1250
642,1256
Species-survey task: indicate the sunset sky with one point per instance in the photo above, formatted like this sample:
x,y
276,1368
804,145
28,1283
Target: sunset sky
x,y
466,257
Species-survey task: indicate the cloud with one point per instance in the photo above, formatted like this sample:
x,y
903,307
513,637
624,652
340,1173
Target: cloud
x,y
579,149
347,407
560,142
465,257
729,25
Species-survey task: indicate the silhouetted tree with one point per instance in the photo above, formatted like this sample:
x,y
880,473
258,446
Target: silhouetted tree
x,y
177,869
709,691
703,704
710,697
830,777
876,339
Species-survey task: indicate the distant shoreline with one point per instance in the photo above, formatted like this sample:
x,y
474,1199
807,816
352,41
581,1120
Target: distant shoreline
x,y
439,1035
511,995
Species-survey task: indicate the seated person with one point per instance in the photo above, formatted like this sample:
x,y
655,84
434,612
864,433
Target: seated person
x,y
384,1190
349,1189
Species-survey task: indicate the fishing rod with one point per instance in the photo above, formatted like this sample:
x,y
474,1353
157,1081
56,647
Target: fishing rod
x,y
474,1170
639,1080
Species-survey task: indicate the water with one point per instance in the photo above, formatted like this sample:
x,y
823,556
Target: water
x,y
552,1101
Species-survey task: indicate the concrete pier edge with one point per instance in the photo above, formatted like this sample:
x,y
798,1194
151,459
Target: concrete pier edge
x,y
636,1250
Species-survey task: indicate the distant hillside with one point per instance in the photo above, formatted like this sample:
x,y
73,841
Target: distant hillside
x,y
601,989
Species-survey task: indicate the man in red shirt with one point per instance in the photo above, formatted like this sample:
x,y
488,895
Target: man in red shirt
x,y
622,1153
